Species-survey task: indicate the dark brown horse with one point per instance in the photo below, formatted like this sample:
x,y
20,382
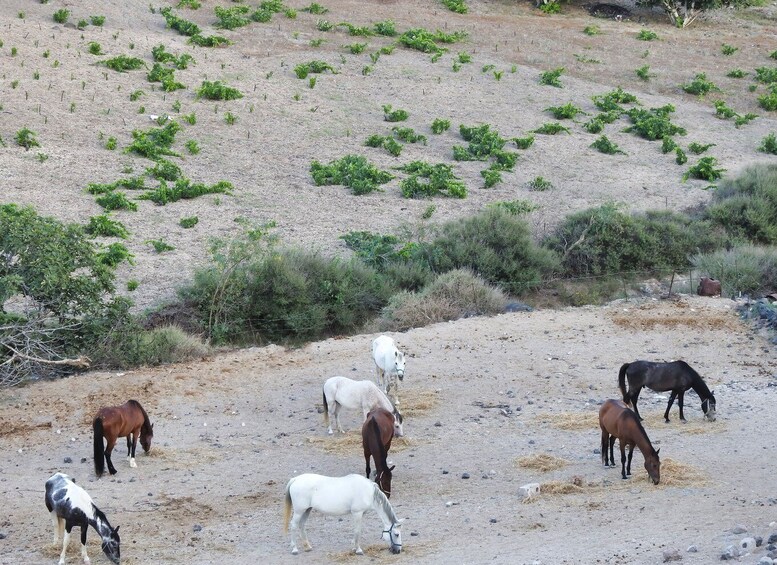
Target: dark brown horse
x,y
377,433
113,422
677,376
617,420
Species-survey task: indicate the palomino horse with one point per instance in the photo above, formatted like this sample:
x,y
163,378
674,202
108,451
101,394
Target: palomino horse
x,y
337,496
617,420
676,376
390,363
71,506
377,433
343,392
113,422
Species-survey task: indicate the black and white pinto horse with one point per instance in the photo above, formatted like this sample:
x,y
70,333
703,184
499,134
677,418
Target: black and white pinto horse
x,y
71,506
677,376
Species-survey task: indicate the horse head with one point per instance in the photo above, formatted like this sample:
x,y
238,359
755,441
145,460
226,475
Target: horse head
x,y
145,438
398,419
110,545
383,480
653,467
708,405
394,536
399,364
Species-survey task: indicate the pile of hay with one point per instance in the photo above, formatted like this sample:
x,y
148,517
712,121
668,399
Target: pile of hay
x,y
416,402
542,462
572,421
676,474
351,442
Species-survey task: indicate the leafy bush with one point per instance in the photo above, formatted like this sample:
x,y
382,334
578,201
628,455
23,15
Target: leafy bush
x,y
604,145
160,55
122,63
95,48
700,85
728,49
391,115
680,157
552,129
408,135
116,201
97,20
607,240
160,245
114,254
699,148
704,170
190,222
524,142
551,78
356,48
611,101
184,189
654,123
668,144
61,15
647,35
494,244
458,6
745,269
540,184
643,72
439,125
180,25
743,120
769,101
450,296
746,206
155,142
164,170
550,7
440,181
303,69
26,138
166,76
104,226
386,28
592,30
425,41
361,31
353,171
769,144
766,75
736,73
315,8
132,346
233,17
209,41
217,91
483,143
566,112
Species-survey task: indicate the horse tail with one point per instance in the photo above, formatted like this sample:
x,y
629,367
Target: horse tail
x,y
326,408
622,382
99,448
287,508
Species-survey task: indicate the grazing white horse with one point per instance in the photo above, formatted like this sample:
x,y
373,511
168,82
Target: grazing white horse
x,y
390,362
343,392
337,496
70,506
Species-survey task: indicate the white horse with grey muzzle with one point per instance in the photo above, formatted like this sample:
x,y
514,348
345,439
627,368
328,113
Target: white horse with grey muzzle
x,y
390,363
336,496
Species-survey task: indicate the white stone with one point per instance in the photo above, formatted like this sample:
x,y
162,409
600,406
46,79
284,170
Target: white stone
x,y
747,544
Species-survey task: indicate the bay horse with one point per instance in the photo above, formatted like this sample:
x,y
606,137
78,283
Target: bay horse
x,y
390,363
71,506
377,433
336,496
677,376
113,422
617,421
344,392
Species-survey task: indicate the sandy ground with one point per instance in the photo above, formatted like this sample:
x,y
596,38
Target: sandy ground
x,y
232,429
479,395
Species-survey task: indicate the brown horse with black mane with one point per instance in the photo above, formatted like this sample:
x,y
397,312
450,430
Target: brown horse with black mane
x,y
377,433
618,420
113,422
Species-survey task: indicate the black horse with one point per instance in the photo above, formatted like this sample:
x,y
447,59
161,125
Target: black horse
x,y
676,376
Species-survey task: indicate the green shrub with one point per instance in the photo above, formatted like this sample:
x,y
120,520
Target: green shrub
x,y
647,35
607,240
668,144
458,6
164,170
704,170
233,17
190,222
217,91
552,129
604,145
132,285
437,180
728,49
494,244
439,125
209,41
769,101
524,142
116,201
135,95
26,138
680,157
743,269
491,177
180,25
95,48
408,135
391,115
746,206
743,120
360,31
540,184
132,346
766,75
97,20
425,41
386,28
114,254
154,143
353,171
736,73
184,189
592,30
643,72
550,7
516,207
192,146
611,101
699,148
159,245
551,78
483,143
303,69
450,296
315,8
566,112
700,85
654,123
104,226
769,144
594,125
356,48
61,15
122,63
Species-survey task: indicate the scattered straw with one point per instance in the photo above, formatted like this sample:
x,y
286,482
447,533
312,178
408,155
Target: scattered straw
x,y
380,551
676,474
351,442
572,421
541,462
417,402
648,317
561,487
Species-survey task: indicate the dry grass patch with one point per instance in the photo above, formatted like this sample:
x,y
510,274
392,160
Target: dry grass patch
x,y
381,551
351,442
572,421
676,474
694,426
542,462
419,402
681,314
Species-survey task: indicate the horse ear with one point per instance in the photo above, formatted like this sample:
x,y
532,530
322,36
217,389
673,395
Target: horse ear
x,y
392,467
116,529
657,450
152,426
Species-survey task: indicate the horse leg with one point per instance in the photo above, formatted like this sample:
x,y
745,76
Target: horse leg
x,y
669,405
612,448
357,532
605,440
304,518
65,541
129,447
623,459
628,467
108,451
84,529
135,436
634,397
337,417
367,455
680,396
59,525
293,530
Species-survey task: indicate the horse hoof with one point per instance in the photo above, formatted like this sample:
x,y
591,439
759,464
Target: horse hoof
x,y
133,464
294,551
330,432
359,551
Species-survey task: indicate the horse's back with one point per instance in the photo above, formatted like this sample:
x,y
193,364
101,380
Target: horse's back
x,y
611,413
63,494
331,495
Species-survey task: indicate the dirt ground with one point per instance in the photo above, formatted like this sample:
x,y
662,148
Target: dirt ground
x,y
480,394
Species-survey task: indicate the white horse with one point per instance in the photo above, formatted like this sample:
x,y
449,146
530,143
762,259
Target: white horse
x,y
390,362
343,392
70,506
337,496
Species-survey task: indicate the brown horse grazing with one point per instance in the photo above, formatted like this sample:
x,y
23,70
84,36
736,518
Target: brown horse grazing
x,y
618,420
113,422
377,433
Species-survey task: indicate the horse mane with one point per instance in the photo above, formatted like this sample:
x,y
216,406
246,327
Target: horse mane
x,y
697,383
146,429
642,429
380,499
381,449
